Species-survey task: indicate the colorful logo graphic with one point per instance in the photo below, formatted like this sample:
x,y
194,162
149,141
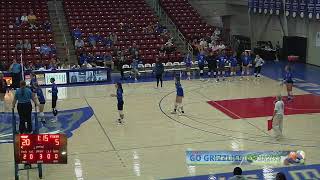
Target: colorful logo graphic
x,y
68,121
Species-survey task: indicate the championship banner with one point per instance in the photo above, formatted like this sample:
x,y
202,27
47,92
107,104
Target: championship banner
x,y
295,8
288,7
255,5
250,5
272,6
310,8
317,9
266,4
261,4
278,6
302,8
245,157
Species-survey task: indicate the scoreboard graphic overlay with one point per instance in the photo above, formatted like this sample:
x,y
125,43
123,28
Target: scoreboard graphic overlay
x,y
41,148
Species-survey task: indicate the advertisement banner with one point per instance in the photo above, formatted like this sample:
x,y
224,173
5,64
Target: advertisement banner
x,y
295,8
302,8
288,7
60,78
311,8
278,6
255,5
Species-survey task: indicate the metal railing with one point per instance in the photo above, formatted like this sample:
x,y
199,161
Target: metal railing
x,y
65,43
168,22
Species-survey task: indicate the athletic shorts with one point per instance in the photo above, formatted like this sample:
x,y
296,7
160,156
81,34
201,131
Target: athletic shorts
x,y
221,68
289,82
42,102
201,66
120,106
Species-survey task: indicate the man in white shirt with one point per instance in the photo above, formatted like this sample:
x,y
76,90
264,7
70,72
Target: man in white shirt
x,y
277,117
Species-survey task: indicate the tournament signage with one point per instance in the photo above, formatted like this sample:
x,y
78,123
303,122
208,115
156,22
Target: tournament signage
x,y
302,7
272,6
310,8
288,7
278,6
261,4
294,9
317,9
250,5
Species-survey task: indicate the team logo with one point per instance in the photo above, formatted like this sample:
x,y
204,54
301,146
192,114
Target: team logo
x,y
68,121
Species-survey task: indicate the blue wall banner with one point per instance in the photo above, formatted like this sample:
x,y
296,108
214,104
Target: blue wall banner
x,y
311,8
261,4
278,6
255,5
288,7
302,7
272,6
266,4
295,8
317,9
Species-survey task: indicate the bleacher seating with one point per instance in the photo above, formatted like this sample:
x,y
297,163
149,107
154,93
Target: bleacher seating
x,y
186,18
105,17
10,34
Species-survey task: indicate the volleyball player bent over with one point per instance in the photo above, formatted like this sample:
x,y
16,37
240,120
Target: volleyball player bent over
x,y
119,95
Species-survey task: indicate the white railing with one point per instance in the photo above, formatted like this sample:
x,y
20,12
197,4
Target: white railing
x,y
161,13
65,43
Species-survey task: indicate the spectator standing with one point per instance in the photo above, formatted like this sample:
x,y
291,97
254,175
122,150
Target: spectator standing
x,y
133,49
27,45
15,70
92,40
159,70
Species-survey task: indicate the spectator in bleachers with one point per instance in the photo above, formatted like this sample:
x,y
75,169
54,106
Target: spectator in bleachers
x,y
86,65
280,176
77,33
45,49
221,46
32,20
1,65
92,40
24,18
82,58
47,26
15,69
79,43
29,67
17,22
108,41
237,174
114,37
19,46
168,46
27,44
121,61
133,50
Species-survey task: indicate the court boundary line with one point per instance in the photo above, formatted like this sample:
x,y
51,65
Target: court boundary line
x,y
219,134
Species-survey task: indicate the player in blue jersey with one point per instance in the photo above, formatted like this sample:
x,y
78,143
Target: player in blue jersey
x,y
119,95
42,101
54,93
246,64
233,65
33,81
180,95
221,61
188,61
201,62
288,80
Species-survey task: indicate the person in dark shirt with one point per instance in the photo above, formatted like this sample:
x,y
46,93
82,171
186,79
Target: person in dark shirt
x,y
159,70
3,91
212,64
119,95
54,92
